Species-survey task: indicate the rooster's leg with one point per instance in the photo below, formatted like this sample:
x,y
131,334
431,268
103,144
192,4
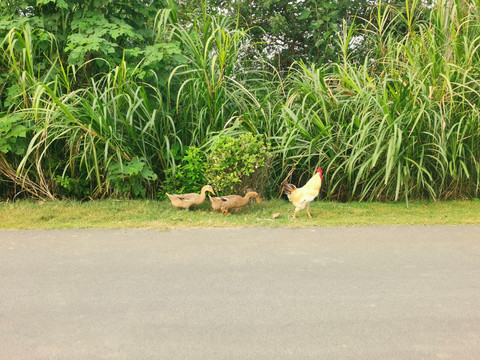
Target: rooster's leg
x,y
295,213
225,212
308,211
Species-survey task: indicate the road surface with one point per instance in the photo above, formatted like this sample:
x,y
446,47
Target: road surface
x,y
323,293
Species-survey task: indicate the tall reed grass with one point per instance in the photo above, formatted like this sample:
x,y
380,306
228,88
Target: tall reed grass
x,y
78,131
219,84
401,124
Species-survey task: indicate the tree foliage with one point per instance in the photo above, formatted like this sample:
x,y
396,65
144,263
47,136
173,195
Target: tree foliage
x,y
295,30
96,33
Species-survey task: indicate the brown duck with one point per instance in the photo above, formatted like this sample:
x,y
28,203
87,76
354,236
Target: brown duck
x,y
231,202
184,201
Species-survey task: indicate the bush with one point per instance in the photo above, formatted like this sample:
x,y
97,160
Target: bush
x,y
76,188
130,179
188,177
237,164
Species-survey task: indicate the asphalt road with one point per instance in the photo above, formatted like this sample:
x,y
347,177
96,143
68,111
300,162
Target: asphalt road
x,y
324,293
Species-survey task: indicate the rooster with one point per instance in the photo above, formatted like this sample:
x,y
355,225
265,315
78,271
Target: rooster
x,y
302,197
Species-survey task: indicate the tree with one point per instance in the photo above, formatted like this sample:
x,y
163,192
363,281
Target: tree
x,y
88,38
294,30
95,29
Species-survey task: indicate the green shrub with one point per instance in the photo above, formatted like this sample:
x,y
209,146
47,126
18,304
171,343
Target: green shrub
x,y
77,188
130,179
13,135
235,164
189,175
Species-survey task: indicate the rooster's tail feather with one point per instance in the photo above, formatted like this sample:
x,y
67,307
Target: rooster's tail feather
x,y
288,188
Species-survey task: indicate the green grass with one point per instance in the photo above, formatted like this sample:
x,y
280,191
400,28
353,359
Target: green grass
x,y
161,215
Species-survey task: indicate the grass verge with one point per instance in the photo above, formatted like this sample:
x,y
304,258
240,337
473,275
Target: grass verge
x,y
161,215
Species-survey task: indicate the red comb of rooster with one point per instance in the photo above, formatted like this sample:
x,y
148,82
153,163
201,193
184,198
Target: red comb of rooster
x,y
319,170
